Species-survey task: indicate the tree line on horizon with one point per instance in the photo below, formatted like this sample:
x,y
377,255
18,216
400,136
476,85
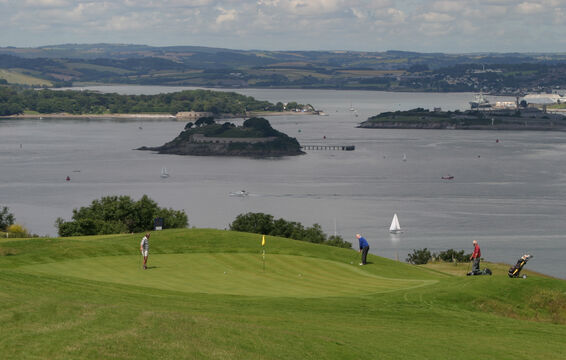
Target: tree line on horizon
x,y
14,101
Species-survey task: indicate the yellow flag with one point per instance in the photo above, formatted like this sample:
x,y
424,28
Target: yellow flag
x,y
263,240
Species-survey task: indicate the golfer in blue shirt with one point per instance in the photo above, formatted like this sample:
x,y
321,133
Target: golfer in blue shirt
x,y
364,248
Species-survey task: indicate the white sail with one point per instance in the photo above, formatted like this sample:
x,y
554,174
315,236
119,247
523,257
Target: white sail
x,y
395,227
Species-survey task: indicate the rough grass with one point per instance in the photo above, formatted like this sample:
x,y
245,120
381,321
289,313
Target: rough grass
x,y
71,299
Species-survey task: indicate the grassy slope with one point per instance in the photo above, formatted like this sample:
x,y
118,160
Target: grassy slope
x,y
46,311
14,77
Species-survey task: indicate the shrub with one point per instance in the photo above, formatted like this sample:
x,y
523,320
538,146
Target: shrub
x,y
451,255
419,257
17,230
260,223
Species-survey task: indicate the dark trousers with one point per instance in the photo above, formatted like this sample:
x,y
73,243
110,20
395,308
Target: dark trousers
x,y
476,266
365,254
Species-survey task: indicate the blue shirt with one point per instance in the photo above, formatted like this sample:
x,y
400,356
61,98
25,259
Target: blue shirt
x,y
363,242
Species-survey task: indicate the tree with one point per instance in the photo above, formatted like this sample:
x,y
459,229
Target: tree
x,y
119,214
6,218
260,223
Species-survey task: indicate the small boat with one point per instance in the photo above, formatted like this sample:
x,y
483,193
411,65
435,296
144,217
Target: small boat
x,y
242,193
395,228
447,177
404,157
164,173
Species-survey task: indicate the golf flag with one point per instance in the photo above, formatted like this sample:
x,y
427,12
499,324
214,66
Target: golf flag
x,y
263,240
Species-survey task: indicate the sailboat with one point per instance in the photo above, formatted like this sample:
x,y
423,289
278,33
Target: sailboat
x,y
164,173
395,228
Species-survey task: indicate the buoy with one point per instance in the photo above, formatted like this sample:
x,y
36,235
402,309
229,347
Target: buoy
x,y
68,178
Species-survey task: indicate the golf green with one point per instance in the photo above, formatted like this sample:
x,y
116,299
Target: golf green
x,y
232,274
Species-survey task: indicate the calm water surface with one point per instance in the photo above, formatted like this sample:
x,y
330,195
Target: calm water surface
x,y
510,194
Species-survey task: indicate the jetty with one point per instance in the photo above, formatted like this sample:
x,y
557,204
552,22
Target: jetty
x,y
329,147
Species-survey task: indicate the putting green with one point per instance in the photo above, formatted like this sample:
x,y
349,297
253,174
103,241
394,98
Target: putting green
x,y
233,274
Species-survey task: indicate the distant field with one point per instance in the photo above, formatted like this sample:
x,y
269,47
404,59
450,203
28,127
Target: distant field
x,y
371,72
206,296
100,68
14,77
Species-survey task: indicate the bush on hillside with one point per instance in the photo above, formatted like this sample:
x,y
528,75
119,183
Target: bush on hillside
x,y
260,223
18,231
419,257
119,214
6,218
452,255
423,256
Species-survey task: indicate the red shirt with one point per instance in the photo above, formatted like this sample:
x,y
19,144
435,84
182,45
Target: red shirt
x,y
477,252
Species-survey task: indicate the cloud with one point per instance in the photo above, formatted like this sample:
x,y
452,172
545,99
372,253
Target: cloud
x,y
46,3
423,25
226,15
435,17
528,8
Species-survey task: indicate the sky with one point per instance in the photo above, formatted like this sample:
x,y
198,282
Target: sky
x,y
357,25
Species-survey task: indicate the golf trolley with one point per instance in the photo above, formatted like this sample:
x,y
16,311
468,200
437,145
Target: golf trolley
x,y
485,271
515,271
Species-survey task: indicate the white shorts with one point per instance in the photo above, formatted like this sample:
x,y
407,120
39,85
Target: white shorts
x,y
144,253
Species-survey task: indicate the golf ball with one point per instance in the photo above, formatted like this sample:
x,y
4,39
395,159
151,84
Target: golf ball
x,y
351,262
224,272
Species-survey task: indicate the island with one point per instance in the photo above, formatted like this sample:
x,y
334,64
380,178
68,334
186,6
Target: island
x,y
255,138
419,118
182,105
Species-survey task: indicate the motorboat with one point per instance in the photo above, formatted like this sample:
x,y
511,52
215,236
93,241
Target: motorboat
x,y
241,193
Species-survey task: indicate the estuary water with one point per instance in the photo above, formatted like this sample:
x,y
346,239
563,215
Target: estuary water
x,y
508,190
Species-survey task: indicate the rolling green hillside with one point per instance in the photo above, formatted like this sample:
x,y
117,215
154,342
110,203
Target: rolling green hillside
x,y
18,78
79,64
206,295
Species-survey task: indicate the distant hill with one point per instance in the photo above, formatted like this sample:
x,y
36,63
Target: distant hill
x,y
70,64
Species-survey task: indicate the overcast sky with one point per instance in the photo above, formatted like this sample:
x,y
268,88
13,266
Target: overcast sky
x,y
366,25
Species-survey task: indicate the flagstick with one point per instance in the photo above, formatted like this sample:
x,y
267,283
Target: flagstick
x,y
263,250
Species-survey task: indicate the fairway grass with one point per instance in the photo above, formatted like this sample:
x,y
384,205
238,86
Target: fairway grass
x,y
232,274
206,296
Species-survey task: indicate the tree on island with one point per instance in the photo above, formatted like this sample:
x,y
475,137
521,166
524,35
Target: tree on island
x,y
119,214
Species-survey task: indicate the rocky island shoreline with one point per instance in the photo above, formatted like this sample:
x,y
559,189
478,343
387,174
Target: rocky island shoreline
x,y
255,138
525,119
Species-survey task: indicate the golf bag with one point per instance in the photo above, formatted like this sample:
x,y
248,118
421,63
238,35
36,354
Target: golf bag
x,y
515,271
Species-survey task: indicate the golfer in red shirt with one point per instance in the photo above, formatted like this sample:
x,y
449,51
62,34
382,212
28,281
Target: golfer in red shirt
x,y
476,255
